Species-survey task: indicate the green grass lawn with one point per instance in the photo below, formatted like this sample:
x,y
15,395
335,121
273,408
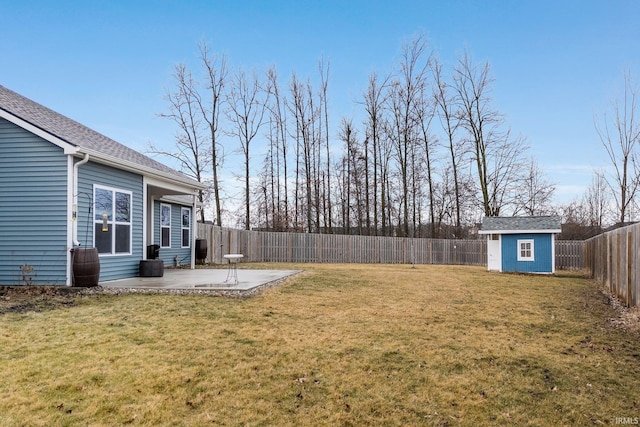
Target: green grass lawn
x,y
336,345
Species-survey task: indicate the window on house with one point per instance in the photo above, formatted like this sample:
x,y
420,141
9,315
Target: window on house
x,y
165,226
186,227
112,221
525,250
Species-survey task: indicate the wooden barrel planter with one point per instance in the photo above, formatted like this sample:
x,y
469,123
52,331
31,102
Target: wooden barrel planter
x,y
151,268
201,249
86,266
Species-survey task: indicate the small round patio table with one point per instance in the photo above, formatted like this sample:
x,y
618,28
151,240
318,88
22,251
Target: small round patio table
x,y
232,272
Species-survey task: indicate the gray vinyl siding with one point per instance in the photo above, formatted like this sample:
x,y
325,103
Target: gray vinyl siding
x,y
168,255
33,209
111,266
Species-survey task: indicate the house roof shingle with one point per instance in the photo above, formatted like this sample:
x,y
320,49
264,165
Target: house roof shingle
x,y
547,224
79,135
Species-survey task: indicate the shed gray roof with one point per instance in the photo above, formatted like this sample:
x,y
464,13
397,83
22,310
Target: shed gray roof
x,y
79,135
534,224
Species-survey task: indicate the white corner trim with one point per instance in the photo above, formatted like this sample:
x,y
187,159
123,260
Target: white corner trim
x,y
145,218
194,231
553,254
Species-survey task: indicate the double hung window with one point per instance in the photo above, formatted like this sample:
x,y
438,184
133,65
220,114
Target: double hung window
x,y
165,226
186,227
112,220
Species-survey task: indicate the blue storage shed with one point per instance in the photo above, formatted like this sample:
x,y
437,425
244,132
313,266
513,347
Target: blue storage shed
x,y
521,244
64,186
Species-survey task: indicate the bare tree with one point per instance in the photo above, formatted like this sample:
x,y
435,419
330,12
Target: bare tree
x,y
324,120
596,200
210,107
246,113
620,135
536,193
446,103
352,177
191,145
574,221
498,156
301,107
373,100
386,186
276,105
263,193
586,217
445,203
424,114
505,164
314,160
404,96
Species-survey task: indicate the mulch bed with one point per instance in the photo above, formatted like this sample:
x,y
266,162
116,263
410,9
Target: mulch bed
x,y
20,299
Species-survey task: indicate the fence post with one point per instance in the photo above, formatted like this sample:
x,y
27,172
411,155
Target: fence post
x,y
212,245
629,270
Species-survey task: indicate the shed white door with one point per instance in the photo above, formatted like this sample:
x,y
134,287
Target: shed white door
x,y
494,258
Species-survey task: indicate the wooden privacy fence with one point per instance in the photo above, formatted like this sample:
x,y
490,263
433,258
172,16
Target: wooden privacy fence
x,y
570,254
612,259
263,246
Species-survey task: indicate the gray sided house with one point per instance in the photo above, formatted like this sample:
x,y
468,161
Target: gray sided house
x,y
521,244
64,186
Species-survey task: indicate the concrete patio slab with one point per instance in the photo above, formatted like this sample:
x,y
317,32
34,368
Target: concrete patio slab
x,y
202,279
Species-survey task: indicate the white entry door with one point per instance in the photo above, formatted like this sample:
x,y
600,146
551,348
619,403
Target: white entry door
x,y
494,258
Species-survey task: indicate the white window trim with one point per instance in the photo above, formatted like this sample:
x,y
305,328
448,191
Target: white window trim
x,y
526,258
182,228
113,222
164,226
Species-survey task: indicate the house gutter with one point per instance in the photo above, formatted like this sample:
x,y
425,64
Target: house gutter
x,y
74,212
532,231
146,170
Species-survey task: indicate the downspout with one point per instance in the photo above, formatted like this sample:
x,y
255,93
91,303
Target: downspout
x,y
74,212
194,232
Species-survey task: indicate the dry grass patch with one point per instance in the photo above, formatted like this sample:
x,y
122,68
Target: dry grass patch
x,y
336,345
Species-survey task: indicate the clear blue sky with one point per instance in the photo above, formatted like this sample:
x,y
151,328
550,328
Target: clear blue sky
x,y
107,64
